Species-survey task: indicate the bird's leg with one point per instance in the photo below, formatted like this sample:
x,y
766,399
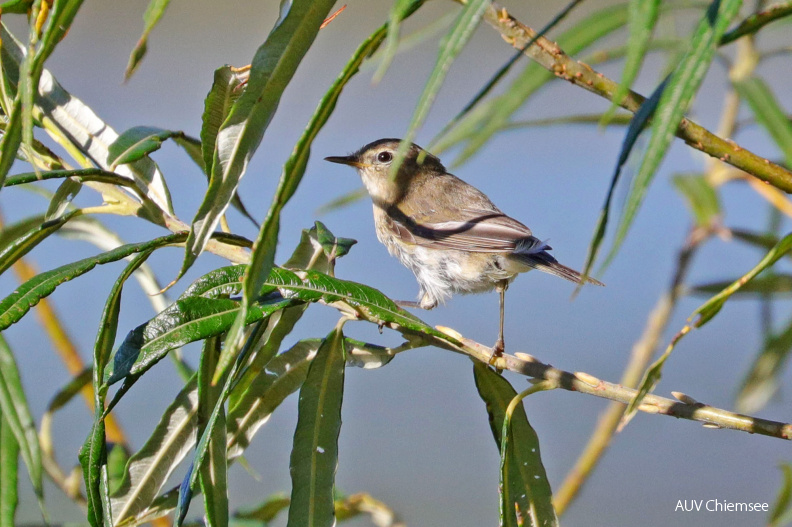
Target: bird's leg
x,y
497,349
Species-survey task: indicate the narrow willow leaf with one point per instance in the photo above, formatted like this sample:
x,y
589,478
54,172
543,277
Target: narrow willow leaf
x,y
63,198
397,14
20,7
252,408
16,413
151,17
18,303
85,131
701,198
757,21
314,456
489,117
698,318
149,468
637,125
263,255
769,113
9,465
781,513
226,89
412,40
272,68
213,474
13,249
342,201
526,488
682,87
761,286
450,46
83,174
267,511
137,143
642,16
93,459
763,379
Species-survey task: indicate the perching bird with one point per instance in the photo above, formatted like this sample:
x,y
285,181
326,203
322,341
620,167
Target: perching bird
x,y
449,233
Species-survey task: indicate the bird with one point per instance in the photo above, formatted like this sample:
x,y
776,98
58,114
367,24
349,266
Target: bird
x,y
446,231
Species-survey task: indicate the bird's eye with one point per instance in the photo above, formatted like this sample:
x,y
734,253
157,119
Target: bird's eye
x,y
384,157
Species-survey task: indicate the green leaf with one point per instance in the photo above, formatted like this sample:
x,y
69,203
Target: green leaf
x,y
267,511
20,238
763,379
314,456
450,46
9,465
93,460
63,198
397,14
137,143
213,474
757,21
761,286
701,198
19,7
698,318
768,112
16,414
226,89
682,87
253,404
238,138
488,118
18,303
781,513
526,487
151,466
151,17
642,17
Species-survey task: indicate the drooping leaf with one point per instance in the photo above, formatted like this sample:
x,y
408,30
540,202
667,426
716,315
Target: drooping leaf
x,y
213,474
526,492
397,14
775,284
18,303
698,318
769,113
226,89
483,121
266,511
701,198
16,414
9,466
93,459
642,16
763,379
19,239
151,466
238,138
151,17
682,87
136,143
450,46
314,456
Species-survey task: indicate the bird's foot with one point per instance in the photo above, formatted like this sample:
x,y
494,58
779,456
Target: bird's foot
x,y
497,351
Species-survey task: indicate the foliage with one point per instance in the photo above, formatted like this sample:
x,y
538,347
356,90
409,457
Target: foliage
x,y
243,313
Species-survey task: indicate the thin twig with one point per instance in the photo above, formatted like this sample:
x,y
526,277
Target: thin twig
x,y
550,56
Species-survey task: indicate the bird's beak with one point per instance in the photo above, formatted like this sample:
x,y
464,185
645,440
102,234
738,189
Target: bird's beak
x,y
345,160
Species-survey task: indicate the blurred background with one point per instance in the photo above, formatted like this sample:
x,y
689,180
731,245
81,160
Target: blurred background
x,y
415,433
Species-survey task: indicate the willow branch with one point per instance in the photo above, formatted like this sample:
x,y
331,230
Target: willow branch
x,y
550,56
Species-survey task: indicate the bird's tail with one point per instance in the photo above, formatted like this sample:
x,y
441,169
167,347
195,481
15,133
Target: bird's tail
x,y
543,261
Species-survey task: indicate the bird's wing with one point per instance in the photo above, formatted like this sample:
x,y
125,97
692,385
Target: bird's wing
x,y
470,230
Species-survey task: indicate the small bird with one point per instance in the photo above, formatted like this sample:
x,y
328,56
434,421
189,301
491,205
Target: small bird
x,y
449,233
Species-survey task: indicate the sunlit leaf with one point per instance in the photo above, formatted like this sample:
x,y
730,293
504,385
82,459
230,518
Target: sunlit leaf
x,y
769,113
137,143
151,17
314,456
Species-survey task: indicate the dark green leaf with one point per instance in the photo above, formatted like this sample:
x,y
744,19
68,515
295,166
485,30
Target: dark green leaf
x,y
768,113
9,465
151,17
238,138
136,143
93,459
18,303
776,284
450,46
701,197
226,89
526,487
682,87
213,474
16,414
19,239
19,7
314,456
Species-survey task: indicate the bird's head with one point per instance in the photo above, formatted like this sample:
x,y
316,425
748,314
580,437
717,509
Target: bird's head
x,y
373,163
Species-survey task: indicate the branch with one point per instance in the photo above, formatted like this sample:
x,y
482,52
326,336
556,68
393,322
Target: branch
x,y
550,56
